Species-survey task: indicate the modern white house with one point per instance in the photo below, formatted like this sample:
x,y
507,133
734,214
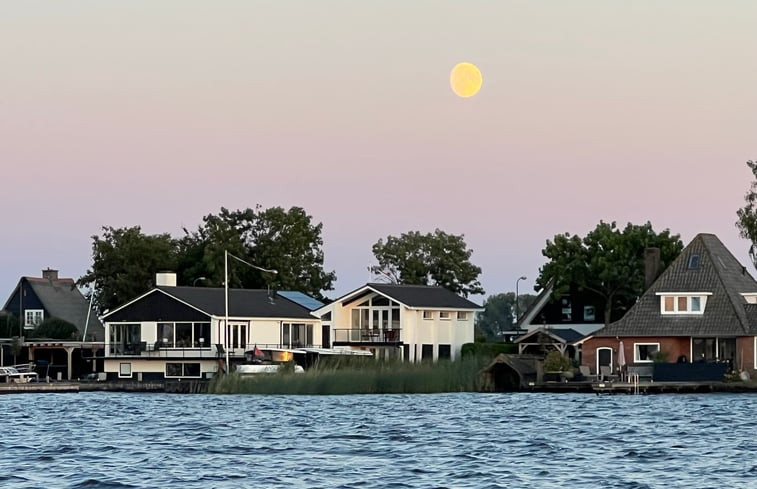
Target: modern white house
x,y
410,322
179,332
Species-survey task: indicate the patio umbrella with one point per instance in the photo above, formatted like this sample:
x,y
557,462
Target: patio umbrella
x,y
621,356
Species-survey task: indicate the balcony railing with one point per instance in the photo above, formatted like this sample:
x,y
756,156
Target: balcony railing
x,y
158,350
357,335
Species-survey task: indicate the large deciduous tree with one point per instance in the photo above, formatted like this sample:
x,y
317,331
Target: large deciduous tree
x,y
434,258
498,315
608,262
747,222
283,240
124,264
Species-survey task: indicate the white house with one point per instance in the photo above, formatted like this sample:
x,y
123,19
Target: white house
x,y
411,322
178,332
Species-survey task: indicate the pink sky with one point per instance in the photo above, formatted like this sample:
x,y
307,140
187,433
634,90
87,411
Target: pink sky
x,y
156,113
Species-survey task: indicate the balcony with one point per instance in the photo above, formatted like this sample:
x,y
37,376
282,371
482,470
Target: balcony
x,y
357,336
158,350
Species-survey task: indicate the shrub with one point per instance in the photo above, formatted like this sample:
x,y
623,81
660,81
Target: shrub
x,y
56,329
556,362
489,350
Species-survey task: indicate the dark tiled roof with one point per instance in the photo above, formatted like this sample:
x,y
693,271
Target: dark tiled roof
x,y
568,335
242,302
63,300
424,296
726,312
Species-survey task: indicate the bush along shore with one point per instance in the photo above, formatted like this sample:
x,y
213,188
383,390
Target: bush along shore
x,y
360,376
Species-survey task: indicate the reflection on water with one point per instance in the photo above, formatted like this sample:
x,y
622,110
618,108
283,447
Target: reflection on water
x,y
101,440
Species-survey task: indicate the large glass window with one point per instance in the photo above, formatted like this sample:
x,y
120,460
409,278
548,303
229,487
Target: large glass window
x,y
645,352
183,369
125,339
296,335
184,335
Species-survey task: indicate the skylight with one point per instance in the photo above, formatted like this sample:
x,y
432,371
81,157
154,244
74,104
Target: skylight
x,y
693,262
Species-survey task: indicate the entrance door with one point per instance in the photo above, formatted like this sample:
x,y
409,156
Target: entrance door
x,y
604,359
326,338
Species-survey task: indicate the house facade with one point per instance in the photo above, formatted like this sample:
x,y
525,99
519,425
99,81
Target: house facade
x,y
702,309
580,311
175,332
409,322
35,299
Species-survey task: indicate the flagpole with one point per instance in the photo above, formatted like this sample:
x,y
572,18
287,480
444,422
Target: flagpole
x,y
226,295
226,300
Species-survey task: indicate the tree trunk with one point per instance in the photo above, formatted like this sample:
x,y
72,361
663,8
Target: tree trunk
x,y
608,310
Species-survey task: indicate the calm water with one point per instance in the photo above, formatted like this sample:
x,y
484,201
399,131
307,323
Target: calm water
x,y
101,440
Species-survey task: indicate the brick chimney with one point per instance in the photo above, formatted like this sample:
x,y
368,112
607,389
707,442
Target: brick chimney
x,y
50,274
651,266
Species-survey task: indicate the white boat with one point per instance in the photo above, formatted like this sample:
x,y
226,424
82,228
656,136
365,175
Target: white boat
x,y
268,361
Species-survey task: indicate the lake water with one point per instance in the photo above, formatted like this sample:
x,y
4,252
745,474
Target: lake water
x,y
108,440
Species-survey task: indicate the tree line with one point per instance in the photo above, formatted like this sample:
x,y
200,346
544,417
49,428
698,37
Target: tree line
x,y
125,260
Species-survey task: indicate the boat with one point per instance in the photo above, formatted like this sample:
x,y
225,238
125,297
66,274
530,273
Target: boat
x,y
268,361
271,360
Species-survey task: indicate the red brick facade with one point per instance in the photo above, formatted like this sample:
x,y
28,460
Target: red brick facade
x,y
674,347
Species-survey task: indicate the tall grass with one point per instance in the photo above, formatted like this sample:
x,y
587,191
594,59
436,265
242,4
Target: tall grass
x,y
358,376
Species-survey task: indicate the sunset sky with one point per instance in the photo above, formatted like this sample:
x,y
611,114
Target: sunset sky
x,y
155,113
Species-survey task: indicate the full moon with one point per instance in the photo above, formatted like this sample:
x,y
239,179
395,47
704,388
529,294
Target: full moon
x,y
465,80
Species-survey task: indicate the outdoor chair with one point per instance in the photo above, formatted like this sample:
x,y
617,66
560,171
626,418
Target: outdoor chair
x,y
586,373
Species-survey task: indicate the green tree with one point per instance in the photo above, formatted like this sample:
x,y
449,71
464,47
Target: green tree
x,y
283,240
498,315
8,325
747,215
56,329
124,264
607,262
434,258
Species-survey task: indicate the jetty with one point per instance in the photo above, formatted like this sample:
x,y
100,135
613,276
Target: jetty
x,y
168,386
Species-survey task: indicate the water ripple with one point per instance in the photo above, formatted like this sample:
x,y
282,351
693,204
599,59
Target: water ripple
x,y
102,440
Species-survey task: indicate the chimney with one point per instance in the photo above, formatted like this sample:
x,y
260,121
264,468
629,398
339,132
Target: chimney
x,y
651,266
50,274
165,279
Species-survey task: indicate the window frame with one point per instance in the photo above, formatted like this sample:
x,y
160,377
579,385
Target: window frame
x,y
32,314
462,315
636,356
428,315
122,368
445,315
676,298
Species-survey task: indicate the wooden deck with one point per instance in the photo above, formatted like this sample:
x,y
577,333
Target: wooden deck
x,y
172,386
643,387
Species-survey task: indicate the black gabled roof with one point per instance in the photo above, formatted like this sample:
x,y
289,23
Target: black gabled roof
x,y
424,296
242,302
717,272
198,303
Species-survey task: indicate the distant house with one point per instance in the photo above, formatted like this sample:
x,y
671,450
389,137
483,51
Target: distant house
x,y
35,299
702,308
178,332
580,311
409,322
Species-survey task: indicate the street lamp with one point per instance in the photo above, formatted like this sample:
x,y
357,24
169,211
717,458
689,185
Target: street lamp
x,y
517,307
194,282
226,256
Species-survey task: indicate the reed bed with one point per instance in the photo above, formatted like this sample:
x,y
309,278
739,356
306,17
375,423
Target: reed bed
x,y
360,376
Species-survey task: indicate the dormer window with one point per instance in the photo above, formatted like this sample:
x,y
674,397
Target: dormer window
x,y
683,303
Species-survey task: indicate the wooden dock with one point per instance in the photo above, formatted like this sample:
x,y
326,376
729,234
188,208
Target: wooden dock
x,y
643,387
171,386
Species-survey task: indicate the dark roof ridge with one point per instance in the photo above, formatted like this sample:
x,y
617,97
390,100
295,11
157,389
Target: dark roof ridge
x,y
738,308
